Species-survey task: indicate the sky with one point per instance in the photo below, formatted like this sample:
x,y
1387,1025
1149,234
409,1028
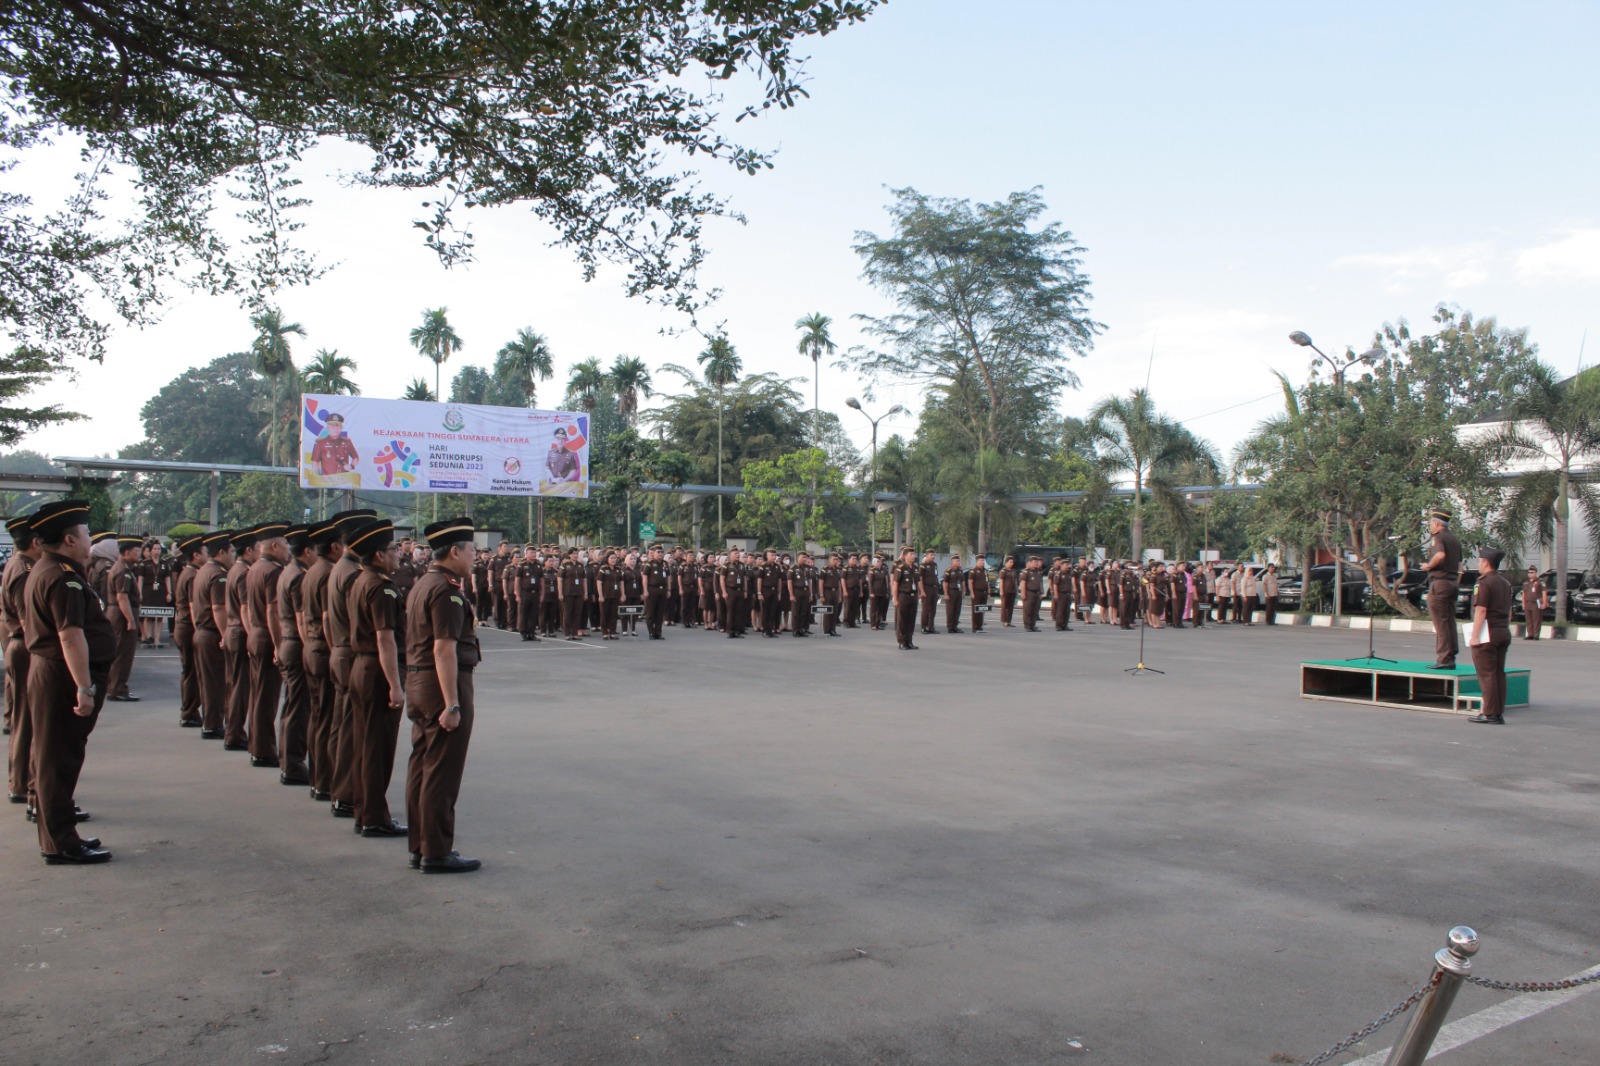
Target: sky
x,y
1236,171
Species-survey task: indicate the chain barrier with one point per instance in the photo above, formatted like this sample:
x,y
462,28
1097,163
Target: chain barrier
x,y
1534,986
1383,1019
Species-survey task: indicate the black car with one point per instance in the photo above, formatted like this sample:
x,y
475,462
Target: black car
x,y
1354,601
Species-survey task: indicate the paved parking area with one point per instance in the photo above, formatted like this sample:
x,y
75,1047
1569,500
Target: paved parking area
x,y
999,849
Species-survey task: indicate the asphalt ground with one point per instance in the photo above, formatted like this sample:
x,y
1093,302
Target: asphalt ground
x,y
998,849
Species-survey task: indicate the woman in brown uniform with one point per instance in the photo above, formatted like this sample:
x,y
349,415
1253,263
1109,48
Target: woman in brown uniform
x,y
441,652
609,578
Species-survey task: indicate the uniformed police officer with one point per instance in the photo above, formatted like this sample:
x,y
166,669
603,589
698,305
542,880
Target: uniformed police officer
x,y
208,604
905,585
376,692
122,610
441,653
1444,579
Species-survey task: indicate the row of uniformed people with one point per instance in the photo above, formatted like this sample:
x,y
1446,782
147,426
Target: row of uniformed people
x,y
315,616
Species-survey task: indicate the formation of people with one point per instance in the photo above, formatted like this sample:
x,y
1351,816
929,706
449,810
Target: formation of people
x,y
301,645
545,591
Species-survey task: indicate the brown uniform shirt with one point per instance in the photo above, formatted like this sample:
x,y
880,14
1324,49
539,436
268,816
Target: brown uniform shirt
x,y
12,582
209,591
1493,594
373,605
182,589
236,575
314,601
288,602
122,579
261,591
439,610
1450,569
336,604
56,597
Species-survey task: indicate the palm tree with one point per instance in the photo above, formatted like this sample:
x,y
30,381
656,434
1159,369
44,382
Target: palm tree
x,y
271,351
1131,437
722,365
586,382
418,390
327,374
437,340
814,341
629,379
524,360
1554,423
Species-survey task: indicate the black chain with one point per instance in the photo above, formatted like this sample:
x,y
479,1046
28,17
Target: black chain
x,y
1535,986
1383,1019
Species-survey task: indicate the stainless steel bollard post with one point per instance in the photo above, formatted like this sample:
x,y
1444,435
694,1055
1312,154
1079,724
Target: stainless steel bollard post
x,y
1452,963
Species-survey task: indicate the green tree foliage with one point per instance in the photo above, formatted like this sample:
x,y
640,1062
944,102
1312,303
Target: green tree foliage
x,y
250,498
1355,468
419,389
1472,367
436,339
471,385
24,370
573,109
630,382
1132,439
992,306
522,363
273,357
760,416
775,504
328,374
1555,427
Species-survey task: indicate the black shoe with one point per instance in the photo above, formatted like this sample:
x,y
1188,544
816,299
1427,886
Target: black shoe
x,y
343,810
235,747
210,734
1491,719
287,778
89,842
320,796
415,860
1442,666
393,829
452,863
264,763
189,723
81,855
16,798
129,698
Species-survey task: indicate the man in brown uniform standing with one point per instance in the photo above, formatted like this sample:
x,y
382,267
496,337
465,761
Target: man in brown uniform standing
x,y
336,626
905,585
802,580
315,654
208,603
191,557
656,579
122,611
236,673
929,572
376,692
1032,586
878,590
570,582
854,577
830,593
497,582
71,647
1491,635
1008,590
1444,578
978,589
955,583
260,619
287,606
441,653
13,609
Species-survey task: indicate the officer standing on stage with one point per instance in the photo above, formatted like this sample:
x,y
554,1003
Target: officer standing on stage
x,y
905,585
1444,579
70,646
441,653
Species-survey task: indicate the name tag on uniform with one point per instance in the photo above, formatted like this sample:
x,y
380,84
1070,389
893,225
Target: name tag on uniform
x,y
980,608
822,608
631,609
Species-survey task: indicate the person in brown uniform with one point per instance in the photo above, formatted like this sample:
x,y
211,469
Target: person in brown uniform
x,y
802,579
1132,589
609,578
878,590
315,654
656,579
191,557
497,584
122,611
260,617
1535,598
13,609
1491,635
854,578
978,591
830,593
482,597
569,590
1269,593
1444,579
288,606
769,578
1032,587
376,692
334,453
154,586
954,584
441,653
905,586
336,627
735,605
529,573
549,598
236,668
1061,595
70,648
208,603
1008,590
688,581
929,590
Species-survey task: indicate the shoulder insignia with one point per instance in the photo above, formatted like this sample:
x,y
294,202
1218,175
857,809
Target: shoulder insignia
x,y
390,592
74,585
458,600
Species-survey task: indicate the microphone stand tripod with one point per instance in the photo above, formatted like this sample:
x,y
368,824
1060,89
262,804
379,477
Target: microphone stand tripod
x,y
1142,668
1371,658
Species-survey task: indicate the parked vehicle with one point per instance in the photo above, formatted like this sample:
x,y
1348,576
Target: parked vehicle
x,y
1291,592
1584,605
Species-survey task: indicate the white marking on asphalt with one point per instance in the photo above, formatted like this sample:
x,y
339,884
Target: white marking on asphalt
x,y
1499,1016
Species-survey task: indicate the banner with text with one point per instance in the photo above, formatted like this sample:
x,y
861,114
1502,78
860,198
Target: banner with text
x,y
359,442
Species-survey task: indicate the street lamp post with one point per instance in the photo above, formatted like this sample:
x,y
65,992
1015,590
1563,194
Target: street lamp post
x,y
1301,338
872,505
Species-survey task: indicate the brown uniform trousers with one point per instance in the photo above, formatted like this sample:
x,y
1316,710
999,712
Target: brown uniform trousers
x,y
1490,662
188,673
341,748
438,759
375,733
905,617
60,742
1442,609
122,665
210,662
236,678
266,686
319,714
294,724
20,767
1008,599
1030,608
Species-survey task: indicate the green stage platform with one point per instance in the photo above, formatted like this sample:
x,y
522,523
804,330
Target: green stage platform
x,y
1407,684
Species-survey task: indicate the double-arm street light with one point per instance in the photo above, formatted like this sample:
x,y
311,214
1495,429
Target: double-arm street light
x,y
872,505
1303,339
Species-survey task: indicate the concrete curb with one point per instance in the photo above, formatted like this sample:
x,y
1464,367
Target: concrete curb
x,y
1582,634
